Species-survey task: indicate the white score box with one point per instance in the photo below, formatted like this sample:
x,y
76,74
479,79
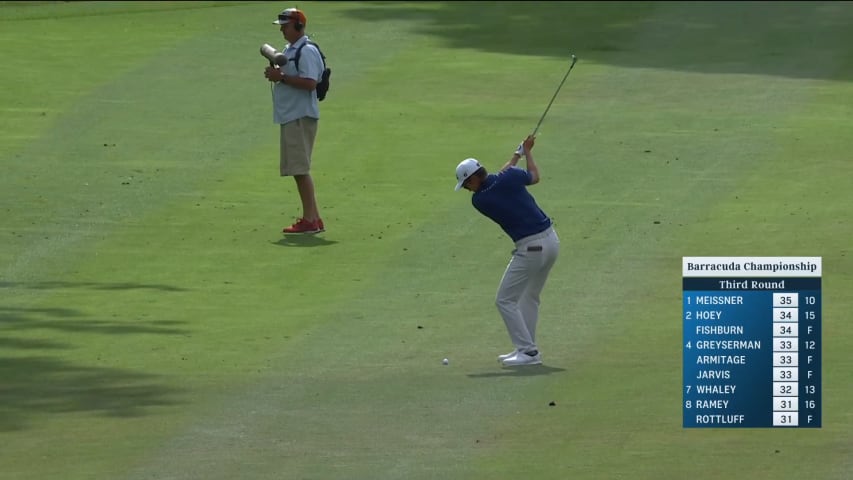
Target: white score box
x,y
785,419
783,359
785,389
783,344
786,300
786,329
785,404
783,374
785,314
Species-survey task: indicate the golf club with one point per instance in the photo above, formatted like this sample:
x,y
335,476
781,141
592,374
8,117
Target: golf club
x,y
574,59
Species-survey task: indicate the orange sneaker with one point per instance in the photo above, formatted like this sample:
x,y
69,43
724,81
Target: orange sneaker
x,y
304,226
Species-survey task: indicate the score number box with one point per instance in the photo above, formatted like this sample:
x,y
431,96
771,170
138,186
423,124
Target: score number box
x,y
751,342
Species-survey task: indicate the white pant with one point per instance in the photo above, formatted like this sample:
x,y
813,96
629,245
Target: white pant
x,y
522,282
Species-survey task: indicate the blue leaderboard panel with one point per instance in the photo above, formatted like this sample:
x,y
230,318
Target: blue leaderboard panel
x,y
752,342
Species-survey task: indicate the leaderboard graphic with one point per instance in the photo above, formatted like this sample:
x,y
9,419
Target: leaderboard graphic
x,y
752,342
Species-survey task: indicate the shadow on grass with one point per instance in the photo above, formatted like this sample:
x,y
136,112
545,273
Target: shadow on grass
x,y
35,386
15,319
34,383
90,285
304,241
788,39
522,371
28,344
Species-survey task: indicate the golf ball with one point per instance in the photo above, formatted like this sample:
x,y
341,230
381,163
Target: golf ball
x,y
445,361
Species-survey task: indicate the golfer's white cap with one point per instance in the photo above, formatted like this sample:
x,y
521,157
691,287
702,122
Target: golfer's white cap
x,y
465,169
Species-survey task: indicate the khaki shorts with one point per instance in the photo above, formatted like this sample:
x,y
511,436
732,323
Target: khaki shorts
x,y
297,142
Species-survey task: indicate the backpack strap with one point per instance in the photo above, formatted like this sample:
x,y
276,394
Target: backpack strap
x,y
299,54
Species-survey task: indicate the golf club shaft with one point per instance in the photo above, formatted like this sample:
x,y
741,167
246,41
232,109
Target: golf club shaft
x,y
574,59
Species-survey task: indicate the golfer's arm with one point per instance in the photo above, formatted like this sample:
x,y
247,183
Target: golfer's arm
x,y
532,169
511,162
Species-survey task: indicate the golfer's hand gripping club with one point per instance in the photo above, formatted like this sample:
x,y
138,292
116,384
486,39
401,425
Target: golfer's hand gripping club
x,y
525,146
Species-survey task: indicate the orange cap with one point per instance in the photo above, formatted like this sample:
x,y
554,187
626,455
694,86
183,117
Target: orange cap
x,y
291,15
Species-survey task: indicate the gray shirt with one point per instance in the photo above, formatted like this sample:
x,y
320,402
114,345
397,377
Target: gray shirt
x,y
291,103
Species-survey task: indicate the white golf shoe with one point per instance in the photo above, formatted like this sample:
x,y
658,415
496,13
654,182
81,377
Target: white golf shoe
x,y
503,357
522,358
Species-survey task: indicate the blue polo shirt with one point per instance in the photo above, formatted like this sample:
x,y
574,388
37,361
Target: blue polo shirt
x,y
504,198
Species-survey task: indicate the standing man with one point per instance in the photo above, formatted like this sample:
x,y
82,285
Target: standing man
x,y
504,198
296,109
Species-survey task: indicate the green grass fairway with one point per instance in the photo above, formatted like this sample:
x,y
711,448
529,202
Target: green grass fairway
x,y
155,324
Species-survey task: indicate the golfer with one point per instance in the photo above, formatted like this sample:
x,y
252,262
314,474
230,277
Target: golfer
x,y
504,198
